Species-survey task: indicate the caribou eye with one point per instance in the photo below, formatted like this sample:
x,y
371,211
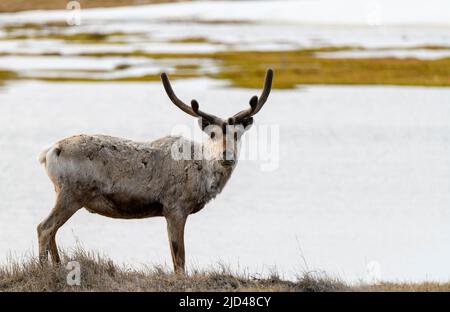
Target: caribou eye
x,y
213,134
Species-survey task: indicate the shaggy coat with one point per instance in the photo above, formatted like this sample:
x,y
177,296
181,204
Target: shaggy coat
x,y
121,178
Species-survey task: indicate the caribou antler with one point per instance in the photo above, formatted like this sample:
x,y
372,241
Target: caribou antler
x,y
255,103
245,113
175,100
211,118
192,110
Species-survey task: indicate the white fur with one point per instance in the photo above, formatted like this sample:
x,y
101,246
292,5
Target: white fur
x,y
43,155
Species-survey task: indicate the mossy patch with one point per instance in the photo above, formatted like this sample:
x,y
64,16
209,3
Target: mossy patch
x,y
190,40
34,26
194,40
88,38
294,68
7,75
141,78
15,6
431,47
203,21
187,67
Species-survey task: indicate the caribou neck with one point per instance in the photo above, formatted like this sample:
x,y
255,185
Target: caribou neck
x,y
215,175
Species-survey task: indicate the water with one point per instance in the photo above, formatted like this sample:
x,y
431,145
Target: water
x,y
363,176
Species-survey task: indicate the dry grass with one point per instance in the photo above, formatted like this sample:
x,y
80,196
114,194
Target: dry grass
x,y
407,287
101,274
6,75
23,5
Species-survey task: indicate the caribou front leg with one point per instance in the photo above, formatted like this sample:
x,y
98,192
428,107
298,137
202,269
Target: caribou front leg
x,y
175,230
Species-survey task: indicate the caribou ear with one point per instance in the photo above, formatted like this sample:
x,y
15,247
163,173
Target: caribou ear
x,y
203,123
247,123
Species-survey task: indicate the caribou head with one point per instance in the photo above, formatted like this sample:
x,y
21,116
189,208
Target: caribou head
x,y
224,134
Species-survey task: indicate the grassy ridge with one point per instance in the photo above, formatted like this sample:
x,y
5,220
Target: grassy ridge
x,y
101,274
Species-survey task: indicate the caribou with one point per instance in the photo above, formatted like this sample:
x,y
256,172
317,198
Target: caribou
x,y
120,178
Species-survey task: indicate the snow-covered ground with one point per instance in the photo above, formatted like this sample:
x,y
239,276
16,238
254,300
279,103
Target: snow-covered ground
x,y
364,175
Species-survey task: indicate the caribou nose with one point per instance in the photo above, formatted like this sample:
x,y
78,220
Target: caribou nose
x,y
227,159
228,156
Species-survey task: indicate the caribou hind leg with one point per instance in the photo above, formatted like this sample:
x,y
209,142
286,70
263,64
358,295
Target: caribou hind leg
x,y
175,230
54,250
64,208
